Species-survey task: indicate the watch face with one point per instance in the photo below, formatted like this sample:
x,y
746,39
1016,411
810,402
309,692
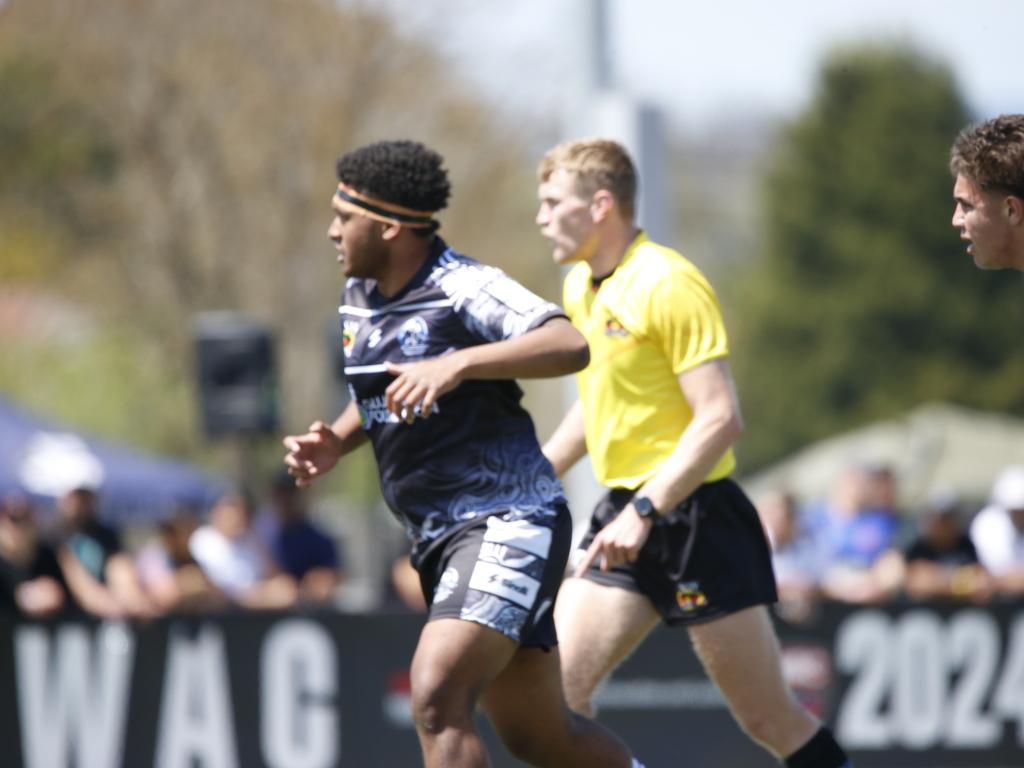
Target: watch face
x,y
643,506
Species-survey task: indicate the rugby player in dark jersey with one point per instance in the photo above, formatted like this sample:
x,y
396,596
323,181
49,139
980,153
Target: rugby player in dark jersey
x,y
433,341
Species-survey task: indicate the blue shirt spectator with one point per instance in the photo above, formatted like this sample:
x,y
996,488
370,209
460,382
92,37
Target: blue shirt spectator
x,y
301,549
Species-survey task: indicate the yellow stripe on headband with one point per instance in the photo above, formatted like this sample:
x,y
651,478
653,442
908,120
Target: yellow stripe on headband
x,y
380,210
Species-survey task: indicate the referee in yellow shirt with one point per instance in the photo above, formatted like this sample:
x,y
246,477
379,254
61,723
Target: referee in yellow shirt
x,y
674,539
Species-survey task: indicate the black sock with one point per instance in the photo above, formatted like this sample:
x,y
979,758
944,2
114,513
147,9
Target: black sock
x,y
822,751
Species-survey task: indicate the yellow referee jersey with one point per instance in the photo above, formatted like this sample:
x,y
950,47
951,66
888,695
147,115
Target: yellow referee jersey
x,y
653,318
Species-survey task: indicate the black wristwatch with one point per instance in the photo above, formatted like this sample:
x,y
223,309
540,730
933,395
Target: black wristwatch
x,y
644,507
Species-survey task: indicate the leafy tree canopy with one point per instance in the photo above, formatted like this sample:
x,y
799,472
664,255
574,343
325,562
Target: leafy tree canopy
x,y
863,303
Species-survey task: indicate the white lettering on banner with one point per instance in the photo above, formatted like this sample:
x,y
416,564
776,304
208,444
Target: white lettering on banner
x,y
921,682
919,693
196,717
1008,700
861,646
74,700
300,724
973,648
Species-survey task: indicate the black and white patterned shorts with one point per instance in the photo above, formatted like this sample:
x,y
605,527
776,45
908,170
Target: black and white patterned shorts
x,y
502,571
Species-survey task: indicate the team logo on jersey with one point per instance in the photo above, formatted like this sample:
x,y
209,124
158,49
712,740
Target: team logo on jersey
x,y
413,335
374,339
613,327
689,598
445,587
349,329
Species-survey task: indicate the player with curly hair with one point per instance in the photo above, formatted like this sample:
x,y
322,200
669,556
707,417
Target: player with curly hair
x,y
988,162
433,341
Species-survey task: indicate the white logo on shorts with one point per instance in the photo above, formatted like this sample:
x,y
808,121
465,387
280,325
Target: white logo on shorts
x,y
449,581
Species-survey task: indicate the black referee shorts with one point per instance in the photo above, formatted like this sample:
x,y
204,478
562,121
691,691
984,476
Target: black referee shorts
x,y
704,559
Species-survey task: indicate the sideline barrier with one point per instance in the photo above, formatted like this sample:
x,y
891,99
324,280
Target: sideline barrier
x,y
904,686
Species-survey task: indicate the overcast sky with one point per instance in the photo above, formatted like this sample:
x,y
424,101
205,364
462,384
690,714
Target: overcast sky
x,y
701,61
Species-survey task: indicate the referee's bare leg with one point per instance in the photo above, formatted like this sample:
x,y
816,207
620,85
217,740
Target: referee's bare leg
x,y
599,626
460,663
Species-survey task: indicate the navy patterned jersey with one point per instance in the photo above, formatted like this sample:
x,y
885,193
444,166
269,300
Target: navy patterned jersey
x,y
477,452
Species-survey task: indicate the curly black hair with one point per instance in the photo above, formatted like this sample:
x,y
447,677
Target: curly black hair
x,y
404,172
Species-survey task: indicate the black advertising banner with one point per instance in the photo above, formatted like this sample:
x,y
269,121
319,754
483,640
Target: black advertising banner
x,y
905,686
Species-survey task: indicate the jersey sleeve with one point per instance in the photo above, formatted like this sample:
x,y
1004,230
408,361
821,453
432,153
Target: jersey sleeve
x,y
495,307
685,319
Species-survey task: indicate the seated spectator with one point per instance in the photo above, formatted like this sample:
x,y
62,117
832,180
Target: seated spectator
x,y
795,558
234,559
31,581
100,575
855,532
301,549
998,532
942,561
169,573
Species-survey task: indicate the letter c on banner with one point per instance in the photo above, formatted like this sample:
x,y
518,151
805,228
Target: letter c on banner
x,y
300,722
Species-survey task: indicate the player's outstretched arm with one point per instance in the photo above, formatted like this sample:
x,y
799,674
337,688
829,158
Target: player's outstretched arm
x,y
316,452
553,349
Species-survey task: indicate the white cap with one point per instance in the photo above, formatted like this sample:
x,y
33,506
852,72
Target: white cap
x,y
1008,491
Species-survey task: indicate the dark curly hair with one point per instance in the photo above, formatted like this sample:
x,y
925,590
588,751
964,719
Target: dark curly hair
x,y
406,173
991,154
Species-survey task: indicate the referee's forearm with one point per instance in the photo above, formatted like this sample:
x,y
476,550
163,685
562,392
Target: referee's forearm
x,y
700,447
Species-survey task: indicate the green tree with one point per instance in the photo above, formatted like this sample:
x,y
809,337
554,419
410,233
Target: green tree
x,y
49,151
219,124
863,303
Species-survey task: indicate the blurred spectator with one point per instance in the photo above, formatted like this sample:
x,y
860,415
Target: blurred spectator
x,y
855,532
301,549
169,573
942,561
234,559
31,580
100,575
998,531
795,558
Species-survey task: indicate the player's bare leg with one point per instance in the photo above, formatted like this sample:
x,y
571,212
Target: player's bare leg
x,y
454,662
741,655
526,706
597,627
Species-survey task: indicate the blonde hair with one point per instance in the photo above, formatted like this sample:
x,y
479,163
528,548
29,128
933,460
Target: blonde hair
x,y
595,164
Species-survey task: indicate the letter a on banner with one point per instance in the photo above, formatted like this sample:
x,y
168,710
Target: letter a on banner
x,y
196,718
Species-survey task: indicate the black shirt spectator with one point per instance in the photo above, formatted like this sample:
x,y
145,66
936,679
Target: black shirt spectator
x,y
31,580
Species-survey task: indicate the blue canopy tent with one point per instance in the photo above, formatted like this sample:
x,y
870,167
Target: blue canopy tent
x,y
45,460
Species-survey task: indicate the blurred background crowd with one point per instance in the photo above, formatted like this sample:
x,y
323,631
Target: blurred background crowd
x,y
856,545
237,554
